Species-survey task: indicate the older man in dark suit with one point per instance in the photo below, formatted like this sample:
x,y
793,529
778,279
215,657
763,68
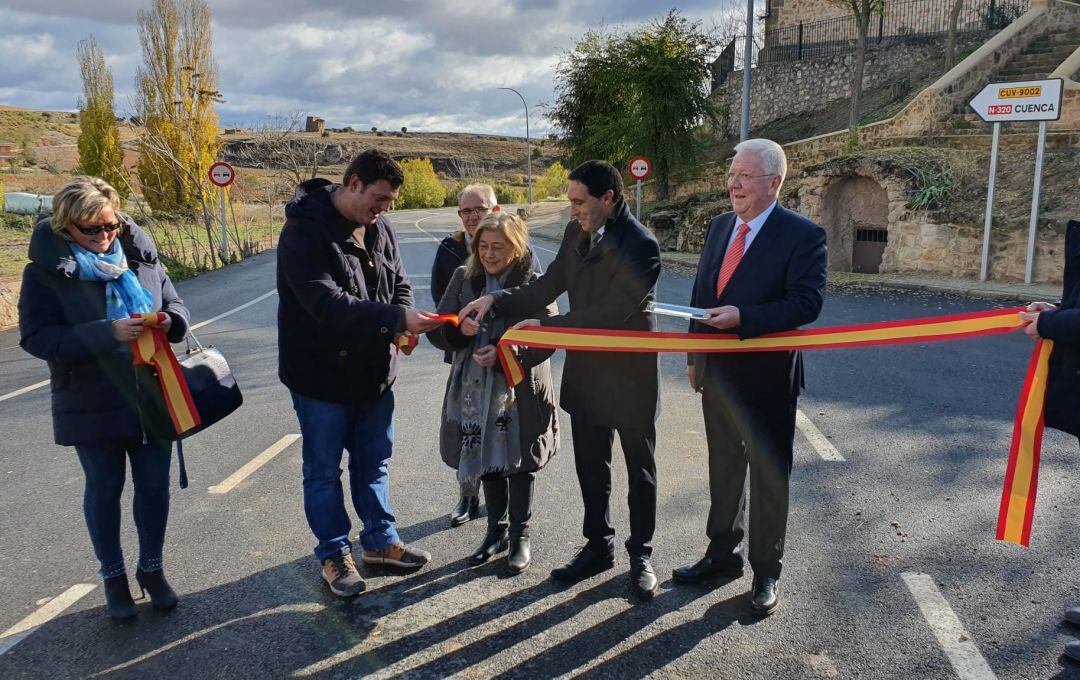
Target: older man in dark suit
x,y
608,265
762,270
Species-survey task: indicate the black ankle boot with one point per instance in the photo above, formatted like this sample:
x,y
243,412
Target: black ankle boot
x,y
494,542
520,556
118,600
162,596
468,508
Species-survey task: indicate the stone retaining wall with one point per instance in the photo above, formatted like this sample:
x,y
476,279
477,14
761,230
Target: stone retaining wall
x,y
919,242
790,87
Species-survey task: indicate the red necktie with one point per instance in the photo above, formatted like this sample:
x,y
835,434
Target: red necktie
x,y
731,259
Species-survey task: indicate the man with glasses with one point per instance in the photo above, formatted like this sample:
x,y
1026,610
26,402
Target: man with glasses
x,y
762,270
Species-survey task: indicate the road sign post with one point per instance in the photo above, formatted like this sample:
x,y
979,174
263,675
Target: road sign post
x,y
1032,100
985,268
1033,225
221,176
640,169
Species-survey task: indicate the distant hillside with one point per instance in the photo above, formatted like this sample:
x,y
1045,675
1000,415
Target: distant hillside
x,y
49,139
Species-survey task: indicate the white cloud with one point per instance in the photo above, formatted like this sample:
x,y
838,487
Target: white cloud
x,y
427,64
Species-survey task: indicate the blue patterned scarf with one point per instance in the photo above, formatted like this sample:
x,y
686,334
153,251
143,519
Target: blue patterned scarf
x,y
124,295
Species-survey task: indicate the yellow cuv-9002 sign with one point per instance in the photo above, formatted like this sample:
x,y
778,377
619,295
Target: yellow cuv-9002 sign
x,y
1019,92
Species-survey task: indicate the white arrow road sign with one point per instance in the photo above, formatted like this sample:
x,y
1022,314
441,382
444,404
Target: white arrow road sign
x,y
1028,100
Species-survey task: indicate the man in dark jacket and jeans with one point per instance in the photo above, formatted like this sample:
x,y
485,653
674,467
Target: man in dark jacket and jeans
x,y
344,298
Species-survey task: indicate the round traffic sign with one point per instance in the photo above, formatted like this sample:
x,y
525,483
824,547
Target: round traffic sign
x,y
221,174
640,168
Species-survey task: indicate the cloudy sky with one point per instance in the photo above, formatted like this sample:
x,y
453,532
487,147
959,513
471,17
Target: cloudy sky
x,y
427,64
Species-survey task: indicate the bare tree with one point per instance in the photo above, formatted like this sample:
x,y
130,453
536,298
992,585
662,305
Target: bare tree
x,y
862,11
174,163
950,39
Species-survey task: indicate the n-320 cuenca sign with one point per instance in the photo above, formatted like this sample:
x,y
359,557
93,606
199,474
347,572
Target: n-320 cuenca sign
x,y
1029,100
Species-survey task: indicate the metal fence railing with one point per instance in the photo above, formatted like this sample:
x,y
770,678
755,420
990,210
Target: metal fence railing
x,y
898,21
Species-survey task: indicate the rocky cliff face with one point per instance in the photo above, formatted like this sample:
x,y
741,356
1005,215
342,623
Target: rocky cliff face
x,y
252,153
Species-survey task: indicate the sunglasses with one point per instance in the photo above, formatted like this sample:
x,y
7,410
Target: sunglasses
x,y
94,231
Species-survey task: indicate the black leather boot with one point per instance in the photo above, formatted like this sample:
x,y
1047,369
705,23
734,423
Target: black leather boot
x,y
118,600
520,511
495,541
162,596
468,508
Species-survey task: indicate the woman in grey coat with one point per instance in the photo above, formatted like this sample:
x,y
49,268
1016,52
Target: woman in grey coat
x,y
489,431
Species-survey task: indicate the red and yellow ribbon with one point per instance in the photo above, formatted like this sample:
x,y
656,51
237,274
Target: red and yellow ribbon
x,y
1018,500
152,348
1022,475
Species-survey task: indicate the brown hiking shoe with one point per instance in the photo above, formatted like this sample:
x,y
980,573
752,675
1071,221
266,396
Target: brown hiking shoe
x,y
397,555
340,573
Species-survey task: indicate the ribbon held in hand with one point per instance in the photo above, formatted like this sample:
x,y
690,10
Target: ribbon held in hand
x,y
152,348
1018,497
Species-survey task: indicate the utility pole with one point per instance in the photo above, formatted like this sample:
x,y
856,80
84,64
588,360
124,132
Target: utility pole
x,y
748,58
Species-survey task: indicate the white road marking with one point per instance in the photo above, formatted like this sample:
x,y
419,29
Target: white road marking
x,y
53,608
417,239
964,656
417,225
254,464
820,442
232,311
194,327
24,390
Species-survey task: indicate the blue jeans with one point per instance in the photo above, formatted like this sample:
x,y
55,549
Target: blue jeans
x,y
367,433
105,466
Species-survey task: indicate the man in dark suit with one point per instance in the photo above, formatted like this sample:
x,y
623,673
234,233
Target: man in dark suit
x,y
762,270
608,265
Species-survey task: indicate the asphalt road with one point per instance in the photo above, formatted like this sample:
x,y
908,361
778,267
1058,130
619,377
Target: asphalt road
x,y
923,431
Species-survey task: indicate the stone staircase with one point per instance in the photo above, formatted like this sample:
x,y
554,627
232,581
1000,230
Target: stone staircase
x,y
1036,62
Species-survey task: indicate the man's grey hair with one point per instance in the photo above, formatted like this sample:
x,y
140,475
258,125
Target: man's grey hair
x,y
482,191
772,155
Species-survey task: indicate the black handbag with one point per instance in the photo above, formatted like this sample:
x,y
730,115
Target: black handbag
x,y
213,390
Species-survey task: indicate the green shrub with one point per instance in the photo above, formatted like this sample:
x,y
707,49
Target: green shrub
x,y
422,188
452,194
554,182
507,194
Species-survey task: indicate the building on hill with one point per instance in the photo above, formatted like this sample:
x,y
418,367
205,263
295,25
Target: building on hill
x,y
315,124
8,150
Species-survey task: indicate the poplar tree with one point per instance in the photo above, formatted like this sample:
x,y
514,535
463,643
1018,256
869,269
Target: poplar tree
x,y
100,151
176,89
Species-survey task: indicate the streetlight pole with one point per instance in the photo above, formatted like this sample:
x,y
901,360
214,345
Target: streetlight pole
x,y
748,58
528,143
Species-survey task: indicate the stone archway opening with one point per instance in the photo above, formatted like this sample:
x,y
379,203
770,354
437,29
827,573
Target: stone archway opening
x,y
855,216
